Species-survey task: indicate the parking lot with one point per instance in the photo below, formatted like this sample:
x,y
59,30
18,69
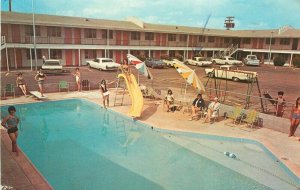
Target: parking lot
x,y
271,79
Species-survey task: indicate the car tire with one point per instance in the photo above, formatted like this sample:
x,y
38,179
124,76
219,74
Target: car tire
x,y
210,75
226,63
88,65
214,62
235,79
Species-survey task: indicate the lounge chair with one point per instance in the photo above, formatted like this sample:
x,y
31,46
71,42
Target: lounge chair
x,y
251,117
236,114
9,88
85,84
63,85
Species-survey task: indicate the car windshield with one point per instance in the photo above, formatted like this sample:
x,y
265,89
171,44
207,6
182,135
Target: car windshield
x,y
107,60
230,58
252,57
52,63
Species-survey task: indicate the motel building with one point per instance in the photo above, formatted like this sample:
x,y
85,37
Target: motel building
x,y
74,40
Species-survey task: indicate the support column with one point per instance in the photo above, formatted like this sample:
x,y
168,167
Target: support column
x,y
79,57
149,53
16,67
49,53
7,64
30,58
291,60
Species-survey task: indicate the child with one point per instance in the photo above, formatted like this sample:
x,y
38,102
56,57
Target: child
x,y
279,104
77,78
11,122
169,99
105,92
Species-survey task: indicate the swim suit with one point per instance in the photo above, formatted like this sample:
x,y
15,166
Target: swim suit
x,y
296,116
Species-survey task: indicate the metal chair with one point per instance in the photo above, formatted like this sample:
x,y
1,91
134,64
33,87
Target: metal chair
x,y
85,84
63,85
9,88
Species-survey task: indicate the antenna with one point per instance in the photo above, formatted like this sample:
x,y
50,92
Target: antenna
x,y
229,22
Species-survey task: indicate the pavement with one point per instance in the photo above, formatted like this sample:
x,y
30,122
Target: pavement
x,y
19,173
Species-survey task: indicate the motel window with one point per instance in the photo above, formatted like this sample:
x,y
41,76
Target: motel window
x,y
29,30
54,31
183,37
90,54
171,37
201,38
56,54
284,41
149,36
38,52
135,36
268,41
227,40
105,33
246,40
90,33
211,39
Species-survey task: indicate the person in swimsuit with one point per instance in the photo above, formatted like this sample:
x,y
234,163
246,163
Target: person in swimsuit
x,y
77,78
295,118
169,99
126,70
11,122
279,104
105,92
21,83
40,78
212,110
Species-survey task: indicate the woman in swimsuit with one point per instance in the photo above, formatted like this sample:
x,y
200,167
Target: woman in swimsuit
x,y
77,78
126,70
40,78
21,83
11,122
169,100
105,92
295,118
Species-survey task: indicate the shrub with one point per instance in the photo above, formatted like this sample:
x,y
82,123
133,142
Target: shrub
x,y
296,62
278,61
165,56
179,57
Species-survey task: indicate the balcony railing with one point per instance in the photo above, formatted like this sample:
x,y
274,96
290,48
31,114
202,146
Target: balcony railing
x,y
118,42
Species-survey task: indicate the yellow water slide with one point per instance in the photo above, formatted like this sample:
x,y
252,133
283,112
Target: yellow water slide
x,y
137,100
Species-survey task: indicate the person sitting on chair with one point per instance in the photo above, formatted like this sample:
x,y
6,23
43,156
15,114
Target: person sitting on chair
x,y
212,110
169,99
197,105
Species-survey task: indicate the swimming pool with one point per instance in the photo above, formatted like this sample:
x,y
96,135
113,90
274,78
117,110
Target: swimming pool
x,y
76,144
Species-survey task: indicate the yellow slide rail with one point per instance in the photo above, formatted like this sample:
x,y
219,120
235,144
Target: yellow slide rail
x,y
137,100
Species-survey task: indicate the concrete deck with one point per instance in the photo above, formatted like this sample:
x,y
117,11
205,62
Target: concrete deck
x,y
19,173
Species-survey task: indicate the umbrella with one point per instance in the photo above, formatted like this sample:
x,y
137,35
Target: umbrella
x,y
190,76
140,66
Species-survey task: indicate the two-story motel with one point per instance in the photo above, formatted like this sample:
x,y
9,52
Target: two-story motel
x,y
74,40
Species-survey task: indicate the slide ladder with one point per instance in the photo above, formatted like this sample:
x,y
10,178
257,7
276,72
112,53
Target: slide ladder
x,y
119,96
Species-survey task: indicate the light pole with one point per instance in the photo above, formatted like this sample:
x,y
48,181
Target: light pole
x,y
270,46
34,40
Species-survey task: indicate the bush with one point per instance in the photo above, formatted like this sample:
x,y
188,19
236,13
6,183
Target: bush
x,y
278,61
296,62
179,57
165,56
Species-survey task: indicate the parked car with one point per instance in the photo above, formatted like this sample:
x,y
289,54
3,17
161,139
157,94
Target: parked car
x,y
198,61
154,63
103,64
230,72
170,63
52,66
226,60
251,60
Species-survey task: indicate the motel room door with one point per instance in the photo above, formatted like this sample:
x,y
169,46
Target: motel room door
x,y
295,44
69,58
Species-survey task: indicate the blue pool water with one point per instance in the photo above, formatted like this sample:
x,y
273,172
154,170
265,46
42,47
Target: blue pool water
x,y
76,144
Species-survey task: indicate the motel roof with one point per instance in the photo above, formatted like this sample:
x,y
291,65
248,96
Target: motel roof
x,y
138,25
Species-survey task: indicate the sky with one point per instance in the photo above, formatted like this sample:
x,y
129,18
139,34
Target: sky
x,y
249,14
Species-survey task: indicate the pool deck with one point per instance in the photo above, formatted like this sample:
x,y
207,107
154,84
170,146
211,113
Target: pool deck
x,y
19,173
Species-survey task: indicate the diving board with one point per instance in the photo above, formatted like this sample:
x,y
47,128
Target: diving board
x,y
37,95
